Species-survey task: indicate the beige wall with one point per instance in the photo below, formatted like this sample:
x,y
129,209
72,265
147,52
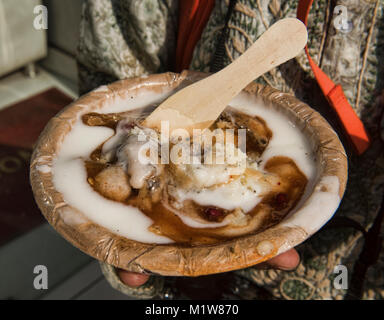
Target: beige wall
x,y
63,35
63,23
20,42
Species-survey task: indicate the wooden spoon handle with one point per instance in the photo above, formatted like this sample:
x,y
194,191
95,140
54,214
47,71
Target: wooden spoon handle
x,y
281,42
200,104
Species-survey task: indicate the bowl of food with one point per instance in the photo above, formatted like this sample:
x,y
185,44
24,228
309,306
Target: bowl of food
x,y
94,182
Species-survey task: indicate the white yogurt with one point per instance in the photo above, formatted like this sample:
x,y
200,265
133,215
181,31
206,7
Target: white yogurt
x,y
132,155
229,196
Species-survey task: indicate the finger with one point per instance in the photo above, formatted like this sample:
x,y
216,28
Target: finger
x,y
286,261
132,279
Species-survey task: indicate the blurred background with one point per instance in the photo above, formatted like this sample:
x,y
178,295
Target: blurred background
x,y
38,77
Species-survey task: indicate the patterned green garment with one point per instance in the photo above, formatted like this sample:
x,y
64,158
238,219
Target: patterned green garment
x,y
128,38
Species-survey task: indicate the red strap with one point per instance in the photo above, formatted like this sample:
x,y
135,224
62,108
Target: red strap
x,y
334,93
193,16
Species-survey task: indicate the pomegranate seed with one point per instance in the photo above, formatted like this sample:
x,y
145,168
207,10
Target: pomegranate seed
x,y
281,200
213,214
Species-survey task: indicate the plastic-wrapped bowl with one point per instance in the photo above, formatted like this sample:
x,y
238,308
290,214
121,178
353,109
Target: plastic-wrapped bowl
x,y
312,212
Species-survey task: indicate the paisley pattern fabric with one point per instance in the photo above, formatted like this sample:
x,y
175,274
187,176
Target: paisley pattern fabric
x,y
128,38
122,39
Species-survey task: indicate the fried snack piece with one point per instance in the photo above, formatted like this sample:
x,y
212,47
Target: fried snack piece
x,y
112,183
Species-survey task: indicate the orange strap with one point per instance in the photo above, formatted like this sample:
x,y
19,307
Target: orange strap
x,y
352,125
193,16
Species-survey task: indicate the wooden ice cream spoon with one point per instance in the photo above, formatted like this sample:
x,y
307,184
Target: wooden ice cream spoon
x,y
200,104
